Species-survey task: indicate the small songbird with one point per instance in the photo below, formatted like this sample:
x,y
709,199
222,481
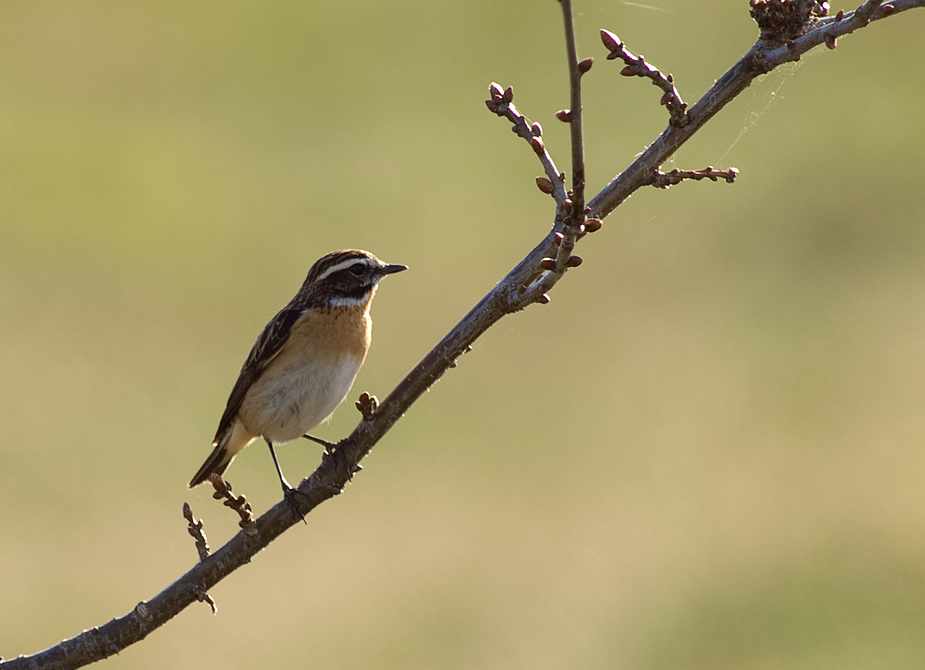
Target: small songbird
x,y
304,362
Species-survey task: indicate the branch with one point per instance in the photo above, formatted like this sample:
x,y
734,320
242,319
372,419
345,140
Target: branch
x,y
676,176
636,66
763,57
576,69
501,103
525,284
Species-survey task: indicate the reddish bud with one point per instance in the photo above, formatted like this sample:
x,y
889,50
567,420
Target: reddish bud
x,y
585,65
567,206
840,15
886,10
508,95
564,115
593,225
611,41
494,90
548,264
574,261
830,41
629,71
545,185
557,238
536,129
537,145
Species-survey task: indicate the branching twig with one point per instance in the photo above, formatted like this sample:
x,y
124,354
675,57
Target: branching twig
x,y
195,529
666,179
759,60
515,291
238,503
636,66
502,104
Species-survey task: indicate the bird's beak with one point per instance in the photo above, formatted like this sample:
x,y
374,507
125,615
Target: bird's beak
x,y
392,269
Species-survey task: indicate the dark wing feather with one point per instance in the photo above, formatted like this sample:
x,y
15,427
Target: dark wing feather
x,y
265,349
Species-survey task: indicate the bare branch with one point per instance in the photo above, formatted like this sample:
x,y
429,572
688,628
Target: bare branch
x,y
576,70
195,529
666,179
238,503
760,59
502,104
636,66
526,283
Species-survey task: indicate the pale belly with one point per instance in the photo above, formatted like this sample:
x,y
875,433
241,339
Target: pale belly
x,y
297,398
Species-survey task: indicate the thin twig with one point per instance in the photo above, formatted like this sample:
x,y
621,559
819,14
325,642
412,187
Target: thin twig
x,y
195,529
759,60
576,69
238,503
676,176
501,103
636,66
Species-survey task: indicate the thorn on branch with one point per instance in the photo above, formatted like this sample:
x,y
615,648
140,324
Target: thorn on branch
x,y
636,66
238,503
676,176
195,529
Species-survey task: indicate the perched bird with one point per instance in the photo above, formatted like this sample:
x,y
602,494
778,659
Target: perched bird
x,y
303,363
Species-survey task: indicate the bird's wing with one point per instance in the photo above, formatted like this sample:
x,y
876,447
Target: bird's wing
x,y
265,349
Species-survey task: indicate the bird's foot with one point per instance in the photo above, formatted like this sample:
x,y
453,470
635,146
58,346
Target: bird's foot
x,y
289,495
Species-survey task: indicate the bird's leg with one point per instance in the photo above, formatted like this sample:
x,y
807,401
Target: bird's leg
x,y
328,446
288,491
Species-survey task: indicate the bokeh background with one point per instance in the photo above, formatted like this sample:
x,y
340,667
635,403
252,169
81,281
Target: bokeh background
x,y
706,452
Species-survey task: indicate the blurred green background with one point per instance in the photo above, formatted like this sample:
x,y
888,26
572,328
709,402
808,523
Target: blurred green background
x,y
706,452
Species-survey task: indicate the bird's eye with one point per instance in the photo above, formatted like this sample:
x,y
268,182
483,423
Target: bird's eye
x,y
357,269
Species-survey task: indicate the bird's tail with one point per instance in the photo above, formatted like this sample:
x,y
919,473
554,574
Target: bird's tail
x,y
226,448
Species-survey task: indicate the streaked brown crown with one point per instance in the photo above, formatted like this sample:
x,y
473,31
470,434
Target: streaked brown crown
x,y
343,277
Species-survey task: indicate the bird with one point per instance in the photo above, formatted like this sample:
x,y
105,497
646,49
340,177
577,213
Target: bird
x,y
303,363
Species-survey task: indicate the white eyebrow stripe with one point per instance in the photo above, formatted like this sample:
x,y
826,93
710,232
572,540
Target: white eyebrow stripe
x,y
343,265
348,302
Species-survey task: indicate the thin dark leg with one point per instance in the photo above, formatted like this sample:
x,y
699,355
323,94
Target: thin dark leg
x,y
288,491
328,446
